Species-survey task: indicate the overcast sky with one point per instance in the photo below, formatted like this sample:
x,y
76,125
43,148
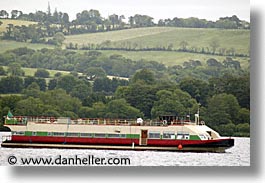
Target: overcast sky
x,y
158,9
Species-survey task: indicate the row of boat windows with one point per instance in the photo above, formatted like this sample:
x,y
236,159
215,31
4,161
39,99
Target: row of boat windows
x,y
62,134
151,135
169,135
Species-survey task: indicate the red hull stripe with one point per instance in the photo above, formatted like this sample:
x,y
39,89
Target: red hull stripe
x,y
110,141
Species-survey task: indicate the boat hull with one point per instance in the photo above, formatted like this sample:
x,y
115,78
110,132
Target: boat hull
x,y
217,145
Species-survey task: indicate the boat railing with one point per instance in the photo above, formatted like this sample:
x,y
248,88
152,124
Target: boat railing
x,y
100,121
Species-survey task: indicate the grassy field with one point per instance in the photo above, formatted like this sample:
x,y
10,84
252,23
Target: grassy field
x,y
170,58
163,36
115,35
8,45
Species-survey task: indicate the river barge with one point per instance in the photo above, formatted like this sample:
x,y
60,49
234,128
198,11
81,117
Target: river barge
x,y
168,133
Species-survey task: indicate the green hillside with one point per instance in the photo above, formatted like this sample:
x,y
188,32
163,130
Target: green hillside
x,y
170,58
151,37
163,36
114,36
9,45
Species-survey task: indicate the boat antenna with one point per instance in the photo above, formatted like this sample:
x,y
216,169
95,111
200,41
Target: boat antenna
x,y
198,113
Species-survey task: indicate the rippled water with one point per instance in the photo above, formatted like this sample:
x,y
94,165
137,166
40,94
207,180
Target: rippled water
x,y
239,155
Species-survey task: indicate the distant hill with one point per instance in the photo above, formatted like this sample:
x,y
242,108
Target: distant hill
x,y
197,39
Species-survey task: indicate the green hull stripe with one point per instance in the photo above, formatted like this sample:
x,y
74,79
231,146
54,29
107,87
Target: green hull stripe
x,y
132,136
129,136
194,137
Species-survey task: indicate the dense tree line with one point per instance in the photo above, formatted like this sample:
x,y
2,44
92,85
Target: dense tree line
x,y
144,96
232,22
222,88
93,21
89,63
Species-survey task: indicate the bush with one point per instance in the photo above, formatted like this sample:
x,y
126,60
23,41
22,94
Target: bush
x,y
42,73
2,71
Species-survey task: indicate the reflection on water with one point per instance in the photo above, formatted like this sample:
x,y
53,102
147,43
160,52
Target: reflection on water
x,y
239,155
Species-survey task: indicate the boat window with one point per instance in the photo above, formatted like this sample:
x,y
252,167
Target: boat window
x,y
49,133
113,135
123,135
100,135
18,133
34,133
58,134
202,137
169,135
183,135
72,134
154,135
86,135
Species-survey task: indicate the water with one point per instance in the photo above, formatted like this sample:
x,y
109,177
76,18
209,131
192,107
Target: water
x,y
239,155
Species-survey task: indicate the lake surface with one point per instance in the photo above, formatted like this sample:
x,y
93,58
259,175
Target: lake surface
x,y
239,155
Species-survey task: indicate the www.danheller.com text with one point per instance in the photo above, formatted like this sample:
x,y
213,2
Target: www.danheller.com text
x,y
89,160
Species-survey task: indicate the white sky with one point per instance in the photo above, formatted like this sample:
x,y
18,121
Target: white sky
x,y
158,9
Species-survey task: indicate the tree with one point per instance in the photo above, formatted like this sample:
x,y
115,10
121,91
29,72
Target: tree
x,y
60,101
222,109
90,16
145,75
11,84
139,95
175,102
67,83
213,63
9,102
183,45
114,19
30,107
243,116
14,69
95,97
99,110
142,21
131,21
15,14
81,91
95,72
2,71
42,73
58,38
3,14
33,90
197,88
121,109
52,84
214,44
40,81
